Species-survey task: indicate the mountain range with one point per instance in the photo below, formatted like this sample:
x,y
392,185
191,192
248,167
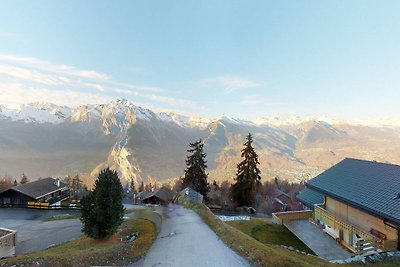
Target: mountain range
x,y
44,139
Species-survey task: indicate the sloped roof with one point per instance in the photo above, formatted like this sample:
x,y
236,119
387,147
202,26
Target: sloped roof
x,y
310,197
368,185
162,193
277,193
39,187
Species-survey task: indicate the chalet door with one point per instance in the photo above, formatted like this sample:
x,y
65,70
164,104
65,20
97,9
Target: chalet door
x,y
346,236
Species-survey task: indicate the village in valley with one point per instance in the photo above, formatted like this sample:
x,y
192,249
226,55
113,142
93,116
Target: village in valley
x,y
341,216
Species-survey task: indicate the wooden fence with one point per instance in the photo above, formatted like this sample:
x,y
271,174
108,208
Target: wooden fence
x,y
280,217
8,240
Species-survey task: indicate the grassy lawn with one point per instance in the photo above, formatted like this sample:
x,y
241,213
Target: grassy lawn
x,y
268,233
62,217
88,252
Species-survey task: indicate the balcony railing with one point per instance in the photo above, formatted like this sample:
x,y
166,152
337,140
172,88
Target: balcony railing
x,y
363,243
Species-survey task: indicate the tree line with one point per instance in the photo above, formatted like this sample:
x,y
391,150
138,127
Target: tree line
x,y
7,181
247,179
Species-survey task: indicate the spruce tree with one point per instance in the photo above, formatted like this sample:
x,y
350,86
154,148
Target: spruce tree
x,y
247,176
195,173
102,209
132,185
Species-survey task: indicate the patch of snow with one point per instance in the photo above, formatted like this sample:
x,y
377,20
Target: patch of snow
x,y
225,218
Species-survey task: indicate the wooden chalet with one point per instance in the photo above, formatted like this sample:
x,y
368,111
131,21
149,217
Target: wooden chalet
x,y
357,202
46,191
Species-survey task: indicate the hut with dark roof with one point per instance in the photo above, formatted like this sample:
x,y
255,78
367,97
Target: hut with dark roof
x,y
47,190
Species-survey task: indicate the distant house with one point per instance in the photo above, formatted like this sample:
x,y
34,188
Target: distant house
x,y
357,202
47,190
191,194
280,200
161,196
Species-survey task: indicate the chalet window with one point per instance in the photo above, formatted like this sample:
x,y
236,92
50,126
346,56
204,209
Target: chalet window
x,y
6,200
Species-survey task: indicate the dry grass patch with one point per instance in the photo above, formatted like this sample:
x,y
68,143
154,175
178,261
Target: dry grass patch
x,y
269,233
88,252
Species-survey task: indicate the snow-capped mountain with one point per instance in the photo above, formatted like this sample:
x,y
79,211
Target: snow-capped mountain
x,y
43,139
39,112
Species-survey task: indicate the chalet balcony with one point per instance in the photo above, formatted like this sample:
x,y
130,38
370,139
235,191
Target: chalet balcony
x,y
56,199
352,237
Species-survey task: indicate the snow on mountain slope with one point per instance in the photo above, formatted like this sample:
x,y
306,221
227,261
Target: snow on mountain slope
x,y
185,121
39,112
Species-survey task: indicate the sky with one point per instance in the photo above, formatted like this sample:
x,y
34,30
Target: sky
x,y
245,59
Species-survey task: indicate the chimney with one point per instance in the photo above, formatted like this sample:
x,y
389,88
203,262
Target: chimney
x,y
57,182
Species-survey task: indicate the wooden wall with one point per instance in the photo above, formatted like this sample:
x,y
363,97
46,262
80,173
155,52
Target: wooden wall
x,y
359,218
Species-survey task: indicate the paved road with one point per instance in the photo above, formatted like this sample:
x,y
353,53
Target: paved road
x,y
185,240
33,234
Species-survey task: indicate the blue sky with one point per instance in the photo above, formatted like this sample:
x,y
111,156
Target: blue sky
x,y
244,59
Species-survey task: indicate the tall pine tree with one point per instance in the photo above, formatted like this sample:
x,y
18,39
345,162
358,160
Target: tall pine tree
x,y
247,176
195,173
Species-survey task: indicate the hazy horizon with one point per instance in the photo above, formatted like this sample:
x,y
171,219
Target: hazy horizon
x,y
315,58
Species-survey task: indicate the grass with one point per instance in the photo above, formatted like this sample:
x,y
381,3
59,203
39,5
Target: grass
x,y
62,217
264,254
88,252
256,252
268,233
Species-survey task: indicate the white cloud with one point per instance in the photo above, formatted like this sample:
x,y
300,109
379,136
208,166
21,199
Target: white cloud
x,y
39,64
32,75
256,100
14,94
230,83
29,79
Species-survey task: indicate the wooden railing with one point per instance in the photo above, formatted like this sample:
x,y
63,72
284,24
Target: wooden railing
x,y
8,240
366,241
280,217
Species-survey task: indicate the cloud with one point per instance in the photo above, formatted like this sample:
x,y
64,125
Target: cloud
x,y
39,64
6,36
256,100
27,75
15,94
230,83
32,75
172,101
138,70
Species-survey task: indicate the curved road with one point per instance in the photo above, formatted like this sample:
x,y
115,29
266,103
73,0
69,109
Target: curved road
x,y
185,240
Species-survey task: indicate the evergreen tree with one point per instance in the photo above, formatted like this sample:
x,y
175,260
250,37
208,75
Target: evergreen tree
x,y
24,179
132,185
247,176
102,210
195,173
15,182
